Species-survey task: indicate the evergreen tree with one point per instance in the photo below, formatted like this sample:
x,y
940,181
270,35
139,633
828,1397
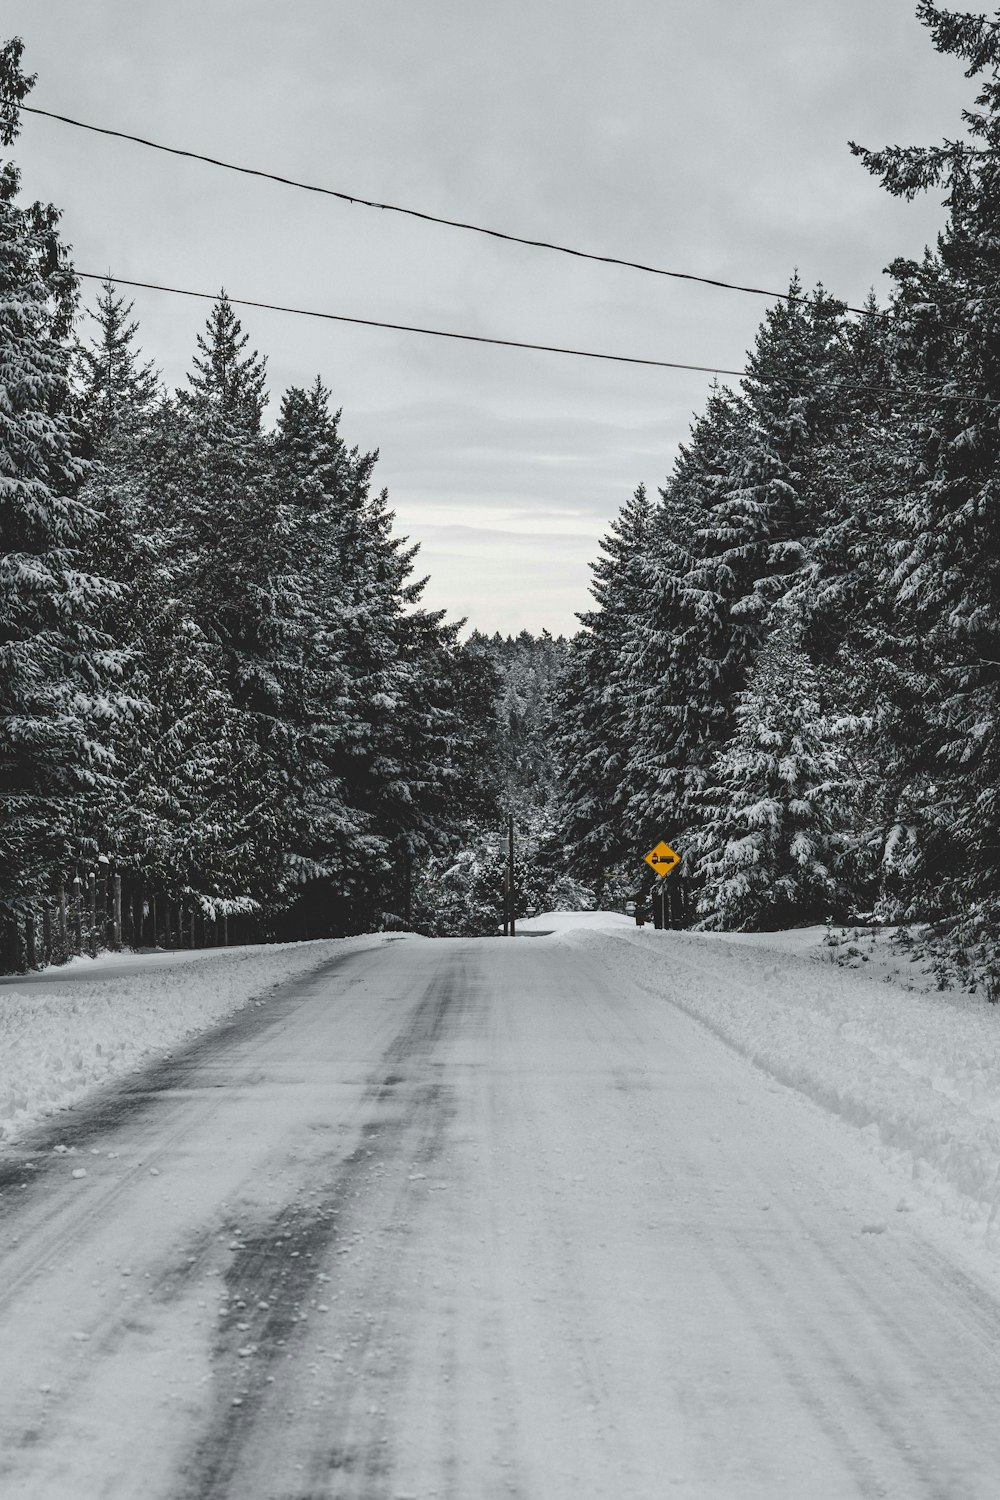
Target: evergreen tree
x,y
114,387
316,483
688,655
590,725
768,848
115,395
765,523
844,602
392,717
56,664
218,497
214,536
943,573
223,376
734,534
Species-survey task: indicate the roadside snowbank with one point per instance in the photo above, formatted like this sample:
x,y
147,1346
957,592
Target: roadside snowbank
x,y
66,1030
565,921
918,1073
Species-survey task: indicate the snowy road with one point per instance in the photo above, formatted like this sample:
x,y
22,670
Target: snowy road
x,y
475,1220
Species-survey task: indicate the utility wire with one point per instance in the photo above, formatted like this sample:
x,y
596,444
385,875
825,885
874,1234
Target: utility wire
x,y
415,213
438,333
479,338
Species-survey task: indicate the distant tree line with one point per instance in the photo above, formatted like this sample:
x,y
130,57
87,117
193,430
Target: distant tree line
x,y
458,890
792,664
215,668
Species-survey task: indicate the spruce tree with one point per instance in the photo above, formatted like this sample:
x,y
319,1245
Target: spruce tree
x,y
768,848
114,393
322,494
391,716
114,387
943,574
56,664
843,599
764,525
216,541
688,655
590,730
225,377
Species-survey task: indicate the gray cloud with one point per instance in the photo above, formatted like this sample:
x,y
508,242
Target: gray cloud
x,y
704,135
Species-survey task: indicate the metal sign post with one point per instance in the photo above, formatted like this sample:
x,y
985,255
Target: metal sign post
x,y
662,860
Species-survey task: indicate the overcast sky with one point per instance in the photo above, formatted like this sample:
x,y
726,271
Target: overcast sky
x,y
700,135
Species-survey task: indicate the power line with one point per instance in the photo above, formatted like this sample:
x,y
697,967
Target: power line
x,y
438,333
415,213
479,338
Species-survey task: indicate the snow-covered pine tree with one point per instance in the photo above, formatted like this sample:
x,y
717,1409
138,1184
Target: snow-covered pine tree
x,y
223,375
687,656
848,619
223,509
764,524
316,483
448,724
392,718
114,386
733,534
423,777
837,593
211,507
944,578
768,848
114,392
374,756
57,667
590,726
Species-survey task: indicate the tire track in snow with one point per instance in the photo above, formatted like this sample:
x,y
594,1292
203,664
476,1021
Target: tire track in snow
x,y
285,1267
52,1220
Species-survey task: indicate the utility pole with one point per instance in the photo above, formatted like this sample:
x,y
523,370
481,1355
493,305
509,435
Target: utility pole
x,y
510,873
406,859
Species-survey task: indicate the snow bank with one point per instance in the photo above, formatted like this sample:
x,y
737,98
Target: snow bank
x,y
919,1073
564,921
66,1030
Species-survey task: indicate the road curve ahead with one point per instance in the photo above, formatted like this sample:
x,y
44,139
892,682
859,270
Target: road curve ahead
x,y
476,1220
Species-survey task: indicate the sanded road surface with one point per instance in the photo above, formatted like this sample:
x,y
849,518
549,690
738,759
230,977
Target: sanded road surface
x,y
475,1220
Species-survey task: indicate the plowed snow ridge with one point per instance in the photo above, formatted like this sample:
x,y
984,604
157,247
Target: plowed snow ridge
x,y
69,1030
918,1073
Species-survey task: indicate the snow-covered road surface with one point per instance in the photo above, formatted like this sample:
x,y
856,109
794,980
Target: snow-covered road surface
x,y
473,1220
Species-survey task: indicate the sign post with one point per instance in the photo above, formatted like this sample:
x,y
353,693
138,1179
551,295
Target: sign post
x,y
662,860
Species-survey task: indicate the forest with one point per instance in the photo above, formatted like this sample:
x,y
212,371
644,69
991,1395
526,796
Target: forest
x,y
218,678
791,669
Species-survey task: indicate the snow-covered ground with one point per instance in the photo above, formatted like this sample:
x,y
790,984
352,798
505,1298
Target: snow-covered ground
x,y
502,1218
506,1218
853,1024
856,1027
68,1029
572,921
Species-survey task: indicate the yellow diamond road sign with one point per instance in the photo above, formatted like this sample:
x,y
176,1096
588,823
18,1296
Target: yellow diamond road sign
x,y
662,859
